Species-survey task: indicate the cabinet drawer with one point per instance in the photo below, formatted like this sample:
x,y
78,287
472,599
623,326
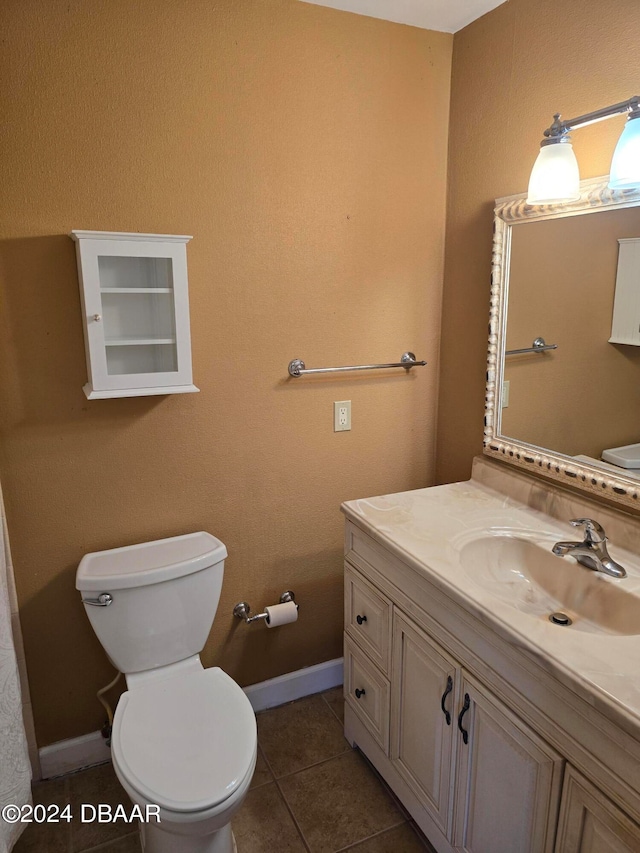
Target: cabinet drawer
x,y
367,618
371,702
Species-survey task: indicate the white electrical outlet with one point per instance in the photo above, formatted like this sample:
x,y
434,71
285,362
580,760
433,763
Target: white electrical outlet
x,y
342,415
505,394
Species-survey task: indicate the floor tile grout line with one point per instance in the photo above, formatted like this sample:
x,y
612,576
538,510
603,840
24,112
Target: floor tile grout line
x,y
267,762
320,695
400,822
269,768
284,799
106,844
370,837
392,794
307,847
332,714
277,781
332,711
315,764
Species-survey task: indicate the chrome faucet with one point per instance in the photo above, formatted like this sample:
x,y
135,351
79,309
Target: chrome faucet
x,y
592,552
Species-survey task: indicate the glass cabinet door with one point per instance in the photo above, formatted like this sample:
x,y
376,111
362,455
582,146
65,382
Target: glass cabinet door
x,y
135,302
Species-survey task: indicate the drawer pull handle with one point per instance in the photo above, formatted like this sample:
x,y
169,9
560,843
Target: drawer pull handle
x,y
447,690
359,693
360,619
465,708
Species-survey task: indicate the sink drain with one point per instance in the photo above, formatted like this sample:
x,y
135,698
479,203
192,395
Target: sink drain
x,y
560,619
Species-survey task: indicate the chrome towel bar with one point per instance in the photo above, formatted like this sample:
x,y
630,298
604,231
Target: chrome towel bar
x,y
407,360
538,345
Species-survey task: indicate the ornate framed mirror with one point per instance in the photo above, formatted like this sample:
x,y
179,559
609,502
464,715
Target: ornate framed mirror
x,y
557,272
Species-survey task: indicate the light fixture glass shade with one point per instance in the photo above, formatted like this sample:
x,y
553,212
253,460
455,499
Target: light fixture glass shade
x,y
625,166
555,177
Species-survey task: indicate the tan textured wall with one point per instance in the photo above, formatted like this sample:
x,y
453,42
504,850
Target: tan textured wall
x,y
512,69
560,269
305,149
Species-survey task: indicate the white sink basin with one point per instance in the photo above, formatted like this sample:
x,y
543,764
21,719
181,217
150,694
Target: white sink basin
x,y
526,575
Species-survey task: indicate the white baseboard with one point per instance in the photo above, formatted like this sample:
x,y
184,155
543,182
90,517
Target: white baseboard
x,y
295,685
76,753
73,754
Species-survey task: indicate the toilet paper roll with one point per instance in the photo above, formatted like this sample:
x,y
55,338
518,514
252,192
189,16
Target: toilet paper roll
x,y
281,614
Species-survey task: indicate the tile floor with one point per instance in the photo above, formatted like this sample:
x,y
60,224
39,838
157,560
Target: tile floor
x,y
310,792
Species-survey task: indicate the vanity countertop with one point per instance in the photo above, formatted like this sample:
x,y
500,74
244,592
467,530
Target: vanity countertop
x,y
428,530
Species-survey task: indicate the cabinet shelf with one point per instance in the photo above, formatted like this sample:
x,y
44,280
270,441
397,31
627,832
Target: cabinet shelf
x,y
138,342
119,290
93,394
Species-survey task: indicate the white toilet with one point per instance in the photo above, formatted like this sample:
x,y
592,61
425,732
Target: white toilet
x,y
184,737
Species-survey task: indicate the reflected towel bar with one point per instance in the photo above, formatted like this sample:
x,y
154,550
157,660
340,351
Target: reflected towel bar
x,y
407,360
537,346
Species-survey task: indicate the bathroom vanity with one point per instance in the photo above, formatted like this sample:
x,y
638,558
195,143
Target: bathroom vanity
x,y
499,730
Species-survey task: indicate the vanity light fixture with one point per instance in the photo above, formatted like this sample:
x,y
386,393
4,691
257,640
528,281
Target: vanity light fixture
x,y
555,176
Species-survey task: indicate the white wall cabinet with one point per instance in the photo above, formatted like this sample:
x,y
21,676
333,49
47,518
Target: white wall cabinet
x,y
474,774
625,325
135,305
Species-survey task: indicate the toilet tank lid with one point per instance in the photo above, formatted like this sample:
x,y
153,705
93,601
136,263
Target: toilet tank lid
x,y
149,562
627,456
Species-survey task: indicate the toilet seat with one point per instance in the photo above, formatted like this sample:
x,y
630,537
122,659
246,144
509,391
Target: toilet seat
x,y
187,742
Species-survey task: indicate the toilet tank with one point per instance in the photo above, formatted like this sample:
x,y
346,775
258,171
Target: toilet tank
x,y
164,596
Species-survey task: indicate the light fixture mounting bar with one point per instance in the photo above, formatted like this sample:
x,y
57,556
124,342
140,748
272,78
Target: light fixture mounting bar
x,y
560,128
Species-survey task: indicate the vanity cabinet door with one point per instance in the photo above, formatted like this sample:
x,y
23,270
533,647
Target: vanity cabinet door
x,y
590,823
423,700
508,780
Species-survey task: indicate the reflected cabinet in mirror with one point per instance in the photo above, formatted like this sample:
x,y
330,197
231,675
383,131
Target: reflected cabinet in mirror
x,y
569,274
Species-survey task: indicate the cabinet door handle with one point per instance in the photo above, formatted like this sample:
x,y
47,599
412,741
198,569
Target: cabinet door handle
x,y
360,619
447,690
465,708
359,693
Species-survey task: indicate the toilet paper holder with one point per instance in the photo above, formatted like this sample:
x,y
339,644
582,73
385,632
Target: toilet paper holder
x,y
242,608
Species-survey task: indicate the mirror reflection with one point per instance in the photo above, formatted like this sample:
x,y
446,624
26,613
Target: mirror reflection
x,y
583,397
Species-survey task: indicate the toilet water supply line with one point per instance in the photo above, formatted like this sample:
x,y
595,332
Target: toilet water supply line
x,y
106,729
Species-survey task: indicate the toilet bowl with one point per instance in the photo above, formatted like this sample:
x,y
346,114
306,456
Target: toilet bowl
x,y
184,737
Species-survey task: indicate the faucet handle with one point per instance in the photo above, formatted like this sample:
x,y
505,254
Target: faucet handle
x,y
593,532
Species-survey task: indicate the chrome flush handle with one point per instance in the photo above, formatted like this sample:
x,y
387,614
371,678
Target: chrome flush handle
x,y
103,600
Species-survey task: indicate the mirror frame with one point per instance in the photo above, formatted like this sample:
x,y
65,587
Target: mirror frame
x,y
595,196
